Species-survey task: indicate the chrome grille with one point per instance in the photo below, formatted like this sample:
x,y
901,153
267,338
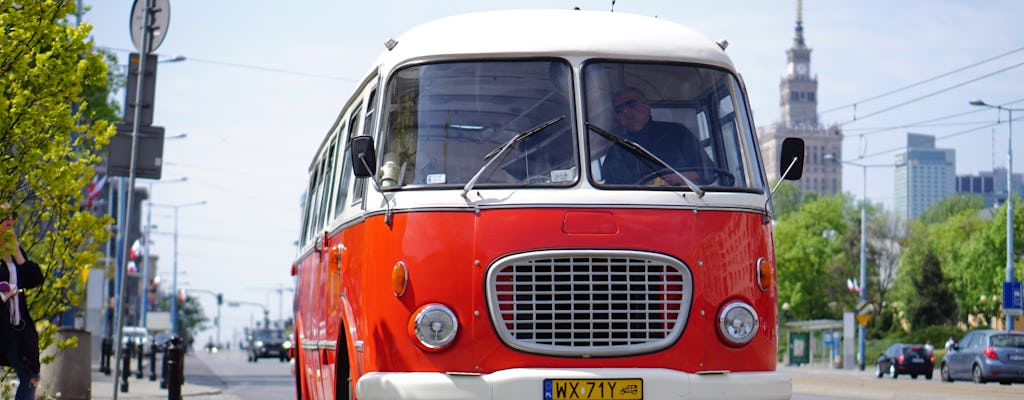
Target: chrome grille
x,y
589,302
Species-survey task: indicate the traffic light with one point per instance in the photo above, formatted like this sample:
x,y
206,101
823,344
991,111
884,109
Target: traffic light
x,y
220,299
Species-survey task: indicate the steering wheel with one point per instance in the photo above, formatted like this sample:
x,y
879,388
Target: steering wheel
x,y
702,176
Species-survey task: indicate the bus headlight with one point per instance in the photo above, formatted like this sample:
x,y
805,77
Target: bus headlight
x,y
737,323
434,326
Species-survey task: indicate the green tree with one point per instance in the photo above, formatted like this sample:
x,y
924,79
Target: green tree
x,y
48,146
933,303
809,245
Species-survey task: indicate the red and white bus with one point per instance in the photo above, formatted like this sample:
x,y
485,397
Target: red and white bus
x,y
483,221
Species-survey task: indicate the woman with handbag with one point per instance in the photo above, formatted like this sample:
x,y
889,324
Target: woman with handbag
x,y
19,341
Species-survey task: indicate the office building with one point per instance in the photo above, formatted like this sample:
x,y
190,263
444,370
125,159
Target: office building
x,y
924,175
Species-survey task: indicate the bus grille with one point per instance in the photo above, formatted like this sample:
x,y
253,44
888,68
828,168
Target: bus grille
x,y
589,302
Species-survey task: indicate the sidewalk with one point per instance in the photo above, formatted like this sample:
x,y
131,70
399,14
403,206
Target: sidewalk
x,y
200,382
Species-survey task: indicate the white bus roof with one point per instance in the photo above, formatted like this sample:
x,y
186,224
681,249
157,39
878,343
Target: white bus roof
x,y
554,33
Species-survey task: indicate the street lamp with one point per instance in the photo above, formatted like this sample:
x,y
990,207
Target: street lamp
x,y
863,289
174,273
1010,278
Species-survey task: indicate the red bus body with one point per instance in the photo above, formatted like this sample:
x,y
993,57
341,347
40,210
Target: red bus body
x,y
456,284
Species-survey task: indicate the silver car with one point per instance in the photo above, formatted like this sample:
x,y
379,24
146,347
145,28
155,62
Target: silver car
x,y
986,355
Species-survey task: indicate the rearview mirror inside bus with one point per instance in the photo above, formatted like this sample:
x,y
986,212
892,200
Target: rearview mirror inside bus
x,y
792,161
364,156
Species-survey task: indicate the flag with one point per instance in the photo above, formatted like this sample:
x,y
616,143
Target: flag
x,y
135,250
132,269
93,190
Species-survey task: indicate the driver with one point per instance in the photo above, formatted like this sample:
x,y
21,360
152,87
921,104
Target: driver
x,y
673,143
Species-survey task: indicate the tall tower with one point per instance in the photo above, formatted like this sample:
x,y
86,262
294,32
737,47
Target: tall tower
x,y
798,98
798,104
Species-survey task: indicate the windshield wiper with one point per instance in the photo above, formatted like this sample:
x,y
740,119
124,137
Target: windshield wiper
x,y
639,150
493,155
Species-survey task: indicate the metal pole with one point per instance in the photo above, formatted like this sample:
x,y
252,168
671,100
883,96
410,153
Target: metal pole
x,y
863,261
144,298
123,266
1009,213
174,279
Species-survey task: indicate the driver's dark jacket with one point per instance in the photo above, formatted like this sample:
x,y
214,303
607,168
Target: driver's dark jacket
x,y
671,142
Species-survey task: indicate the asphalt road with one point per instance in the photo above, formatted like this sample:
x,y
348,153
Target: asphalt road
x,y
269,379
809,383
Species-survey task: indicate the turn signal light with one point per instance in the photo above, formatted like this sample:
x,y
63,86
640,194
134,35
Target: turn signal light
x,y
399,279
765,277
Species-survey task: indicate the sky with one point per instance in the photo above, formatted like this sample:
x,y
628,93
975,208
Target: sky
x,y
264,80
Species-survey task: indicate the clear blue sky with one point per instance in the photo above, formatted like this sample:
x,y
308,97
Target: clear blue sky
x,y
264,80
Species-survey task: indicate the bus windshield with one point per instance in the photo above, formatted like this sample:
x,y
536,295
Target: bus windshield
x,y
445,121
670,122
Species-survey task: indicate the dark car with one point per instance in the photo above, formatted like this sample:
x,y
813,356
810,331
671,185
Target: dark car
x,y
906,359
986,355
267,343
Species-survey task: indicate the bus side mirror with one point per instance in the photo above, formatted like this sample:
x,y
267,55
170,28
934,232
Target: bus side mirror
x,y
792,161
364,156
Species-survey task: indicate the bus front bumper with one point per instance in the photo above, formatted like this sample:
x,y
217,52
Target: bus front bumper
x,y
518,384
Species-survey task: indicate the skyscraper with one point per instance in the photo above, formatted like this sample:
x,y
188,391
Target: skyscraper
x,y
798,103
924,175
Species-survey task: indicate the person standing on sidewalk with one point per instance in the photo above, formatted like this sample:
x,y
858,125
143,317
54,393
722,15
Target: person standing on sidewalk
x,y
19,341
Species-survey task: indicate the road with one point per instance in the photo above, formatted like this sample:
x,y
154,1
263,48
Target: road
x,y
267,379
270,379
810,383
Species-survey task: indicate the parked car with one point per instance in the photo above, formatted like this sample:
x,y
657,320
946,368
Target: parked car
x,y
906,359
137,335
267,343
986,355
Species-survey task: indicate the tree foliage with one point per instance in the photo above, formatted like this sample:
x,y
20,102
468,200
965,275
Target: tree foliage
x,y
808,245
969,244
49,144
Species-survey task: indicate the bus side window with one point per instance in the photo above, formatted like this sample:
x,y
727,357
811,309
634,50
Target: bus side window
x,y
329,179
307,207
346,171
359,189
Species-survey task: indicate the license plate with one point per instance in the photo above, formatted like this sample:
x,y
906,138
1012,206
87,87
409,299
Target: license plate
x,y
594,389
1017,357
917,360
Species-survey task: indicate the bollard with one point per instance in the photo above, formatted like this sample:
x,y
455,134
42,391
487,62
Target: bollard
x,y
152,362
126,366
106,350
163,366
175,356
141,353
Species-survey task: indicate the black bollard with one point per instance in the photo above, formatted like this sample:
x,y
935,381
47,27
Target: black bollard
x,y
126,366
106,350
163,365
175,356
140,354
152,362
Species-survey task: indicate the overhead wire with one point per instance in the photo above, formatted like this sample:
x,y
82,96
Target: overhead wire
x,y
932,94
919,83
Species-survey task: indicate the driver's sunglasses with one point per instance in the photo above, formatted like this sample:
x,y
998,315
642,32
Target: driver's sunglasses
x,y
619,108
